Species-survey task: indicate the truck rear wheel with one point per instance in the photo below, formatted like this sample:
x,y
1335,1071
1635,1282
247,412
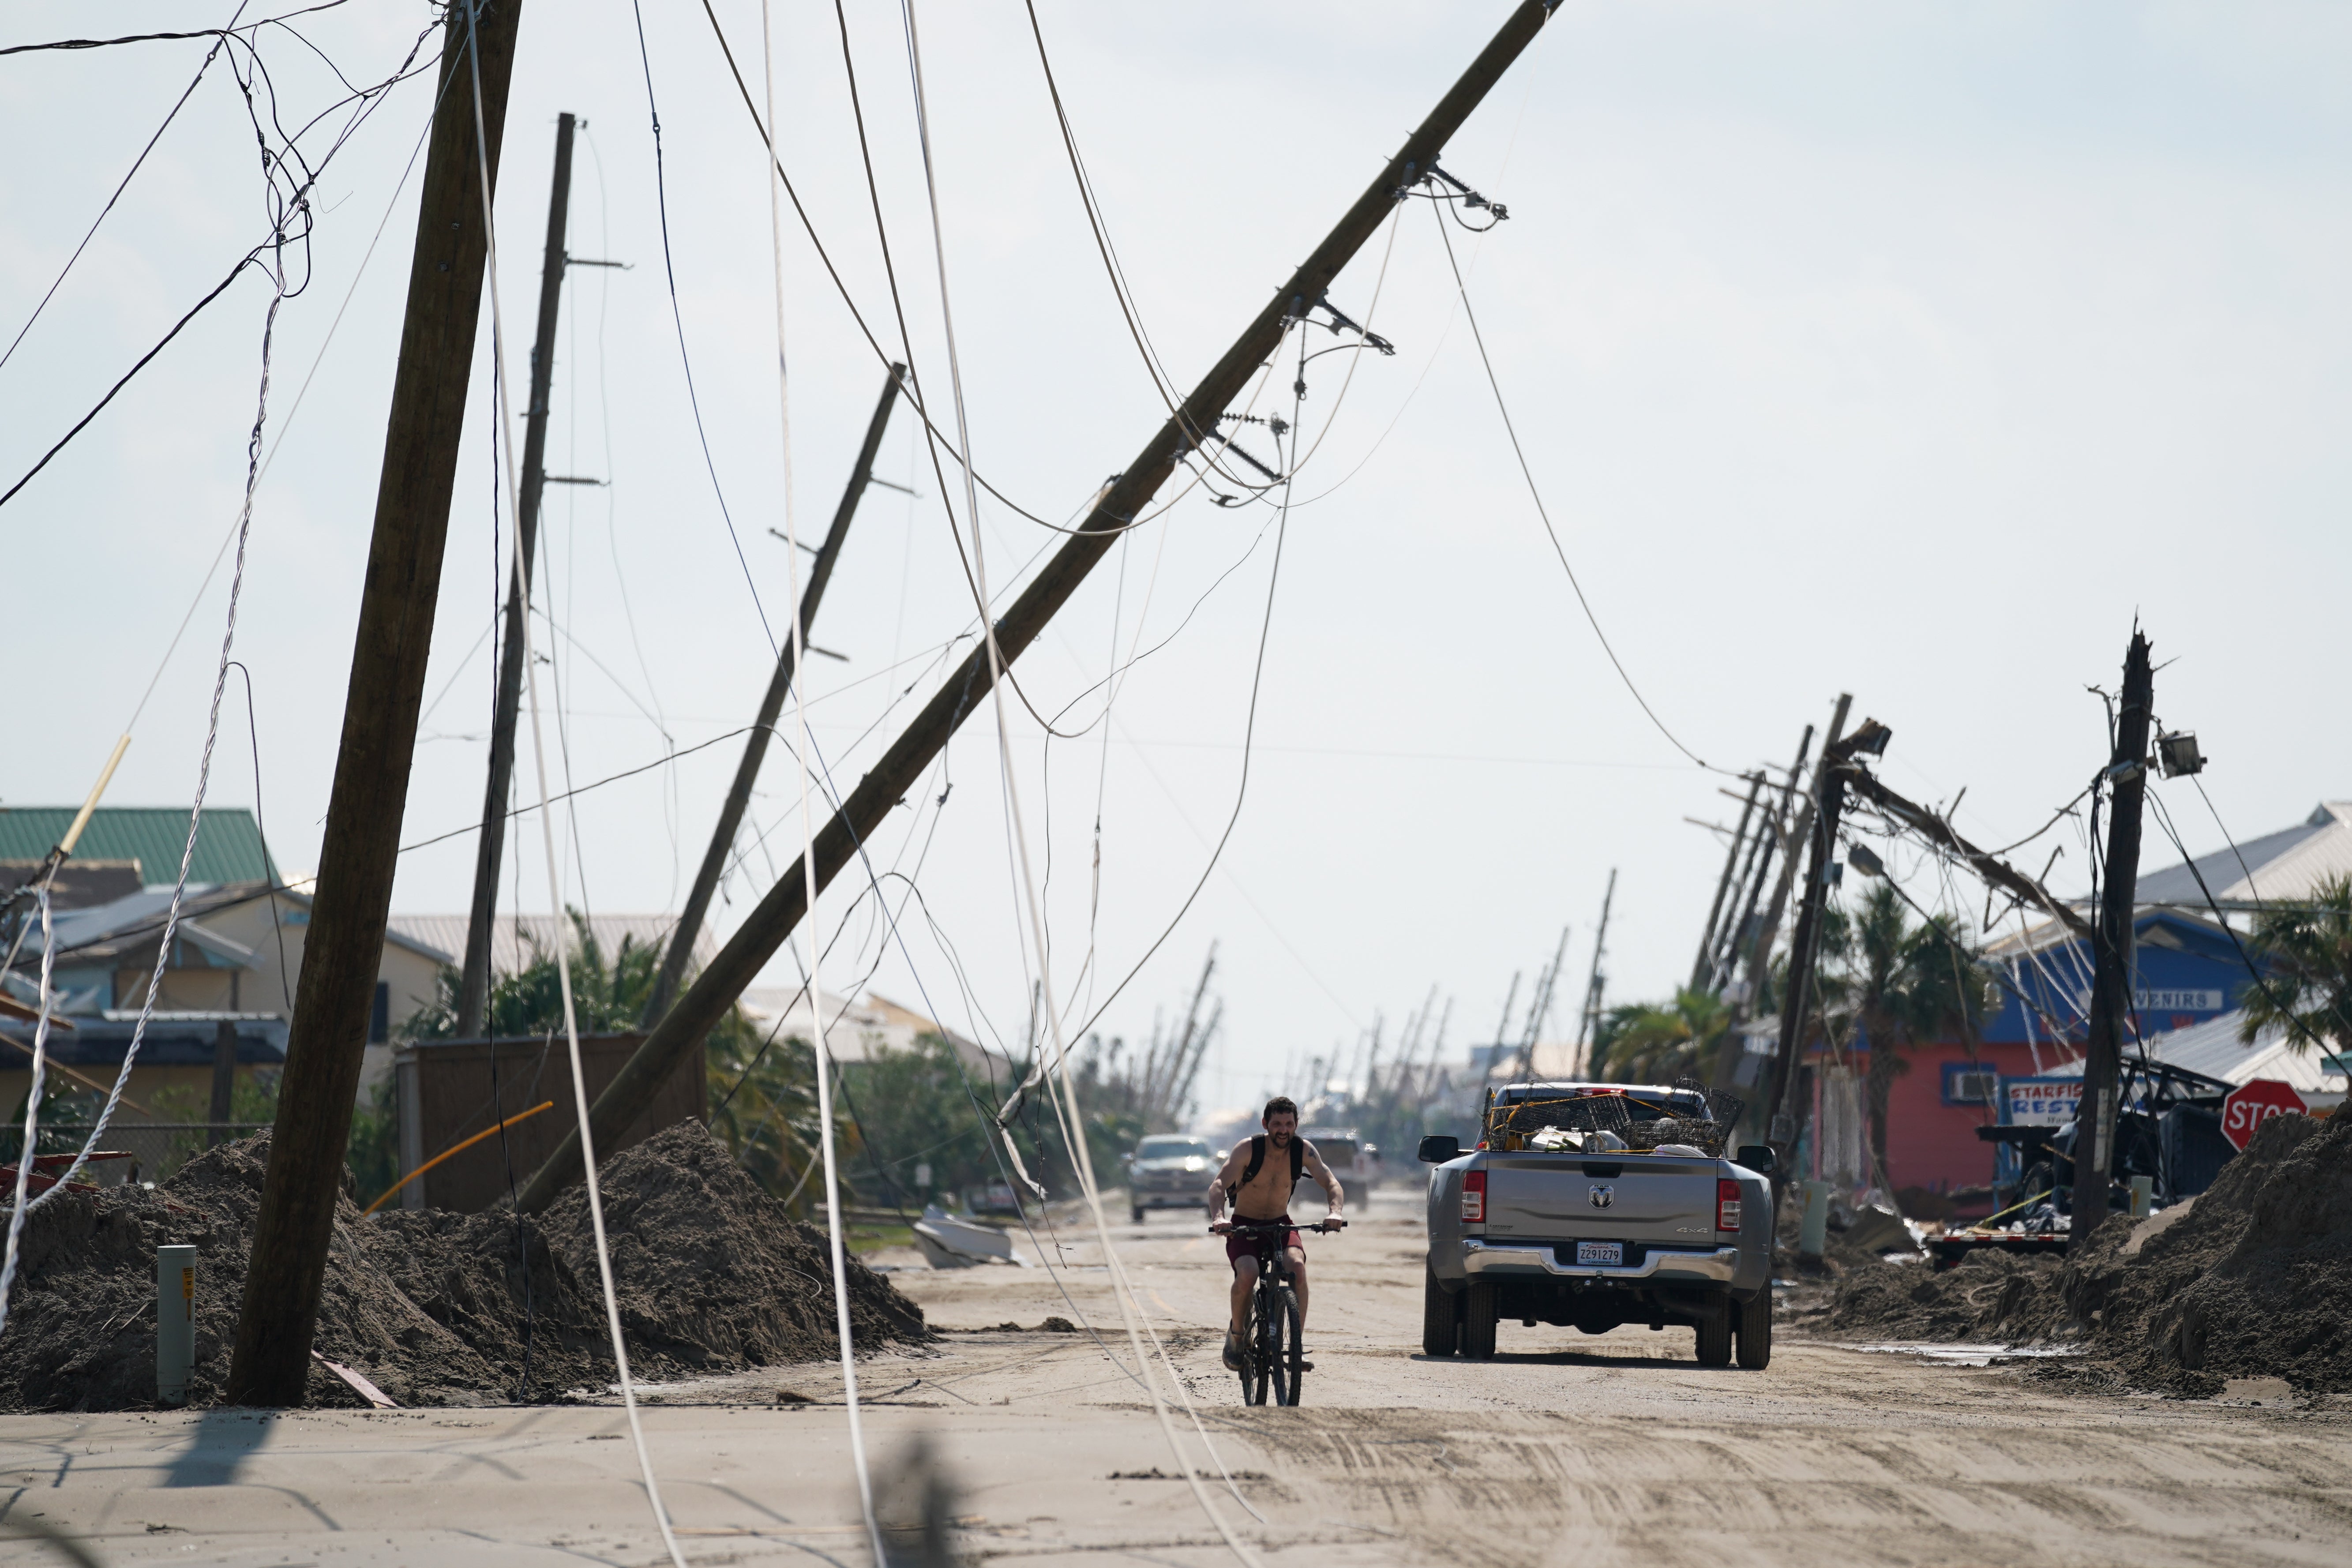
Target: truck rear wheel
x,y
1479,1312
1756,1331
1715,1335
1441,1317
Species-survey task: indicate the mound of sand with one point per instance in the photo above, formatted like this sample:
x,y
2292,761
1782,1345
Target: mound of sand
x,y
2255,1280
711,1275
2250,1280
1991,1298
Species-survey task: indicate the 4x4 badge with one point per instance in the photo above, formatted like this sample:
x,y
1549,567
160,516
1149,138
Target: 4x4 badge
x,y
1601,1194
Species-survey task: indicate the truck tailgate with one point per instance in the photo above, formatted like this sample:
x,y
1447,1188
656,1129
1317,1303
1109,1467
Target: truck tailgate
x,y
1665,1200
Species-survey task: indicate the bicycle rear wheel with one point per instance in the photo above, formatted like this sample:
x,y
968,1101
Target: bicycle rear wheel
x,y
1290,1368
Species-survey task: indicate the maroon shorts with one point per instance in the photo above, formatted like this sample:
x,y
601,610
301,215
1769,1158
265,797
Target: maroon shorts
x,y
1239,1246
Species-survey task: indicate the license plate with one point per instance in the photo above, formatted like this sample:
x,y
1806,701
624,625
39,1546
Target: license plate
x,y
1602,1254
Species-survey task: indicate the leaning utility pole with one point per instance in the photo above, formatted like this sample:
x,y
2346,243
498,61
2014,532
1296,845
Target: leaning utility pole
x,y
345,947
474,979
1539,1006
1747,886
1160,1070
1804,947
1119,504
2111,948
1588,1025
1704,965
755,745
1759,947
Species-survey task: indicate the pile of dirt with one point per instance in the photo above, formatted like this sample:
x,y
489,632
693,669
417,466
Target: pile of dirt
x,y
1992,1297
2252,1281
711,1275
2249,1280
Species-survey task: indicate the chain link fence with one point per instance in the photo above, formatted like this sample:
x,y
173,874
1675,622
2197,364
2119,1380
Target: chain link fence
x,y
156,1149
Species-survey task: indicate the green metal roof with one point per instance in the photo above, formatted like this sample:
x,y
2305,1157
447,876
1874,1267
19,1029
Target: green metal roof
x,y
229,845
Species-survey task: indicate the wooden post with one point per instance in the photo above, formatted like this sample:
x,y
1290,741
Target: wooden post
x,y
755,745
344,946
2111,949
1122,500
224,1082
474,982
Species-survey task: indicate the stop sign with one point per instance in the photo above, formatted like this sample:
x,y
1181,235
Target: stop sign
x,y
2248,1105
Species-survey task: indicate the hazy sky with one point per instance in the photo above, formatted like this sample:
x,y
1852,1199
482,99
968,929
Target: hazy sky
x,y
1908,351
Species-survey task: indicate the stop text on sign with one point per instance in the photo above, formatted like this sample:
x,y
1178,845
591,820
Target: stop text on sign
x,y
2250,1105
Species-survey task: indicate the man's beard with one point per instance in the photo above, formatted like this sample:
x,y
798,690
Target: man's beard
x,y
1280,1140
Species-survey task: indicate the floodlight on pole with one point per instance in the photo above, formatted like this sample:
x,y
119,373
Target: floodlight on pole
x,y
2177,754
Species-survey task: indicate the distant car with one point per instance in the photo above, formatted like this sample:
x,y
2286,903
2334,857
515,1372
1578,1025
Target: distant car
x,y
1170,1170
1356,1163
993,1197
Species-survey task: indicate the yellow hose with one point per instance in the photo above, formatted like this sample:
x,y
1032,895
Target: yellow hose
x,y
453,1149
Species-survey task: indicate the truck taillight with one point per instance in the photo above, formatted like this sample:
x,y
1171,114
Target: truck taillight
x,y
1727,1205
1474,1198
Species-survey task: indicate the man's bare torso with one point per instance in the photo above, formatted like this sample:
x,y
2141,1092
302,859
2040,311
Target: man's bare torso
x,y
1266,1195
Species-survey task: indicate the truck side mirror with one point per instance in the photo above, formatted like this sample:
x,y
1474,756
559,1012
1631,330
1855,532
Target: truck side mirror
x,y
1757,1157
1438,1148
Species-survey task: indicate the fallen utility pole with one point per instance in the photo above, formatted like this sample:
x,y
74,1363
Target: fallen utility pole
x,y
1759,948
1936,831
344,945
1121,502
474,979
763,727
1588,1023
1704,965
2111,949
1804,945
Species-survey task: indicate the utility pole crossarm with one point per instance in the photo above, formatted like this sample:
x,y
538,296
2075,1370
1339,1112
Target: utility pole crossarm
x,y
1936,831
1120,503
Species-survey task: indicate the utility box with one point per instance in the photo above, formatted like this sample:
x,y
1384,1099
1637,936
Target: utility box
x,y
446,1096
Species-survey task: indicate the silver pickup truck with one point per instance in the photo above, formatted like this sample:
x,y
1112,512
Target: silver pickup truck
x,y
1597,1206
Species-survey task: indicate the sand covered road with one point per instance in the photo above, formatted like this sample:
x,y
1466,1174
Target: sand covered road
x,y
1564,1449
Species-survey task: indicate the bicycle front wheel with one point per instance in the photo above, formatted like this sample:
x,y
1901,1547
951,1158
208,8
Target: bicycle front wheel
x,y
1263,1349
1290,1368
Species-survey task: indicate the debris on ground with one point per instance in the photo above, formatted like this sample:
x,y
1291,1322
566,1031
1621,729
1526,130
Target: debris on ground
x,y
711,1275
2246,1281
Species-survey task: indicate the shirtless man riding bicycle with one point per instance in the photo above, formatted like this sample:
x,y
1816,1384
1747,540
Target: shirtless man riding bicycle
x,y
1258,1176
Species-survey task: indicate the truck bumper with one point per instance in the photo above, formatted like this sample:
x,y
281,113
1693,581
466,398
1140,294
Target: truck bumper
x,y
1720,1266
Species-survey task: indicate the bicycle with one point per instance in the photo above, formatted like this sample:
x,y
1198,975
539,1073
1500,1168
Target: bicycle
x,y
1270,1353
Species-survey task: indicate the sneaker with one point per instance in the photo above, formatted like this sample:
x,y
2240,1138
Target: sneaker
x,y
1233,1352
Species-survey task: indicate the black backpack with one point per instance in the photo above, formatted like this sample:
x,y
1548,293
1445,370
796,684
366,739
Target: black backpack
x,y
1257,1159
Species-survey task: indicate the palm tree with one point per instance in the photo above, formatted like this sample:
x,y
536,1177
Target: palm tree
x,y
2308,992
1657,1043
1909,983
